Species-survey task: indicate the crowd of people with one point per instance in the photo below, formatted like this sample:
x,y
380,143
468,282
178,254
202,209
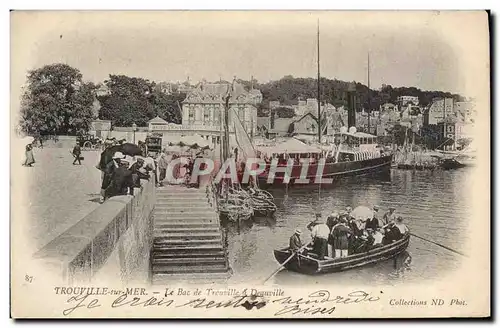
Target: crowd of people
x,y
341,234
123,173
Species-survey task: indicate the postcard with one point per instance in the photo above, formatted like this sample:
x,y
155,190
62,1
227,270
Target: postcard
x,y
250,164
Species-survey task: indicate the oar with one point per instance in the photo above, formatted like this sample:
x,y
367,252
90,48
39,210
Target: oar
x,y
438,244
283,264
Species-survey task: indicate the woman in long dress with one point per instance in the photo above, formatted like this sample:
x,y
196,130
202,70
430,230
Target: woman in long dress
x,y
30,159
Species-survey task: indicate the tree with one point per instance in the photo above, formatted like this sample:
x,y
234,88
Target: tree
x,y
56,101
262,110
137,100
128,101
284,112
168,107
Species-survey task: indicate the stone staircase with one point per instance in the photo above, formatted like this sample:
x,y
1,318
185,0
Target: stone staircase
x,y
188,241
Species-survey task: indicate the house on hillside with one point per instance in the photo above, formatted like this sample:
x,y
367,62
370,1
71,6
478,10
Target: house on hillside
x,y
388,107
439,109
279,127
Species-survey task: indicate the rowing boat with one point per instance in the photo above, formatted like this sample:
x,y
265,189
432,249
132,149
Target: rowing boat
x,y
308,264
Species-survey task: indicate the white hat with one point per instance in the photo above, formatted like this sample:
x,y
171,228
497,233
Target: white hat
x,y
334,214
118,155
297,231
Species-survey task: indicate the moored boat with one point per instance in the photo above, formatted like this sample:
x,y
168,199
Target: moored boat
x,y
309,264
233,209
450,164
356,154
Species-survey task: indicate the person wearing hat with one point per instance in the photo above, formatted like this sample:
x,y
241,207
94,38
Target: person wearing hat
x,y
137,174
121,182
314,222
340,233
331,221
109,171
29,158
348,210
162,167
403,229
372,223
319,234
77,152
295,241
395,230
376,214
389,216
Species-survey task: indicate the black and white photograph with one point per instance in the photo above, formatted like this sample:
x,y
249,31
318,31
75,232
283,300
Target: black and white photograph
x,y
250,164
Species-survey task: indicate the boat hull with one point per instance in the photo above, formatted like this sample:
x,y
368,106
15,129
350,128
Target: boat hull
x,y
309,265
333,171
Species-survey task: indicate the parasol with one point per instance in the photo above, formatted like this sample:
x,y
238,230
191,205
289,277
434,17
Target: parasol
x,y
362,213
127,149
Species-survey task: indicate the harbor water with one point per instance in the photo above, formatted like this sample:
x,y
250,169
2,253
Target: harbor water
x,y
433,204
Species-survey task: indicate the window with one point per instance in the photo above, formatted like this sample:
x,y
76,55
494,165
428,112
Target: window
x,y
206,115
191,115
241,114
216,114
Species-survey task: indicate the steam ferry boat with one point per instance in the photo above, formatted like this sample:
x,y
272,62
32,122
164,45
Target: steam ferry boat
x,y
353,153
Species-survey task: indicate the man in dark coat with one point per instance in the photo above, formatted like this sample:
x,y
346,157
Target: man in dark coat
x,y
108,173
121,182
295,241
331,221
77,151
372,223
340,233
137,175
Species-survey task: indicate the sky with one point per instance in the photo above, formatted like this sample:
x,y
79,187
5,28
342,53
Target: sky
x,y
423,50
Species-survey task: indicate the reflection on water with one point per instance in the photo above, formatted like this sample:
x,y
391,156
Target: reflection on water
x,y
433,204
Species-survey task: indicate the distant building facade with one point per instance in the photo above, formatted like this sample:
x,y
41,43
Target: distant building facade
x,y
404,100
204,107
100,128
438,110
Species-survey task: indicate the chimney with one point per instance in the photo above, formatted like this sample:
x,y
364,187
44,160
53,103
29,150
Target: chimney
x,y
351,105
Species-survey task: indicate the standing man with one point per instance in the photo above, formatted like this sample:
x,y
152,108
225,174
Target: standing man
x,y
375,212
331,221
77,151
320,233
108,173
162,167
30,159
340,233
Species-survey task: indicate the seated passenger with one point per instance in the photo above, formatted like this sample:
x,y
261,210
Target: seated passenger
x,y
295,241
401,227
371,223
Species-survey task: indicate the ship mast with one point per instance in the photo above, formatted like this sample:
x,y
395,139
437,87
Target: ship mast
x,y
369,96
319,102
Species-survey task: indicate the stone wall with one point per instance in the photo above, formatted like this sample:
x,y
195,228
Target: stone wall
x,y
111,243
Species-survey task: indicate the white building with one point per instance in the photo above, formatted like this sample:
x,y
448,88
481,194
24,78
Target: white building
x,y
203,112
404,100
